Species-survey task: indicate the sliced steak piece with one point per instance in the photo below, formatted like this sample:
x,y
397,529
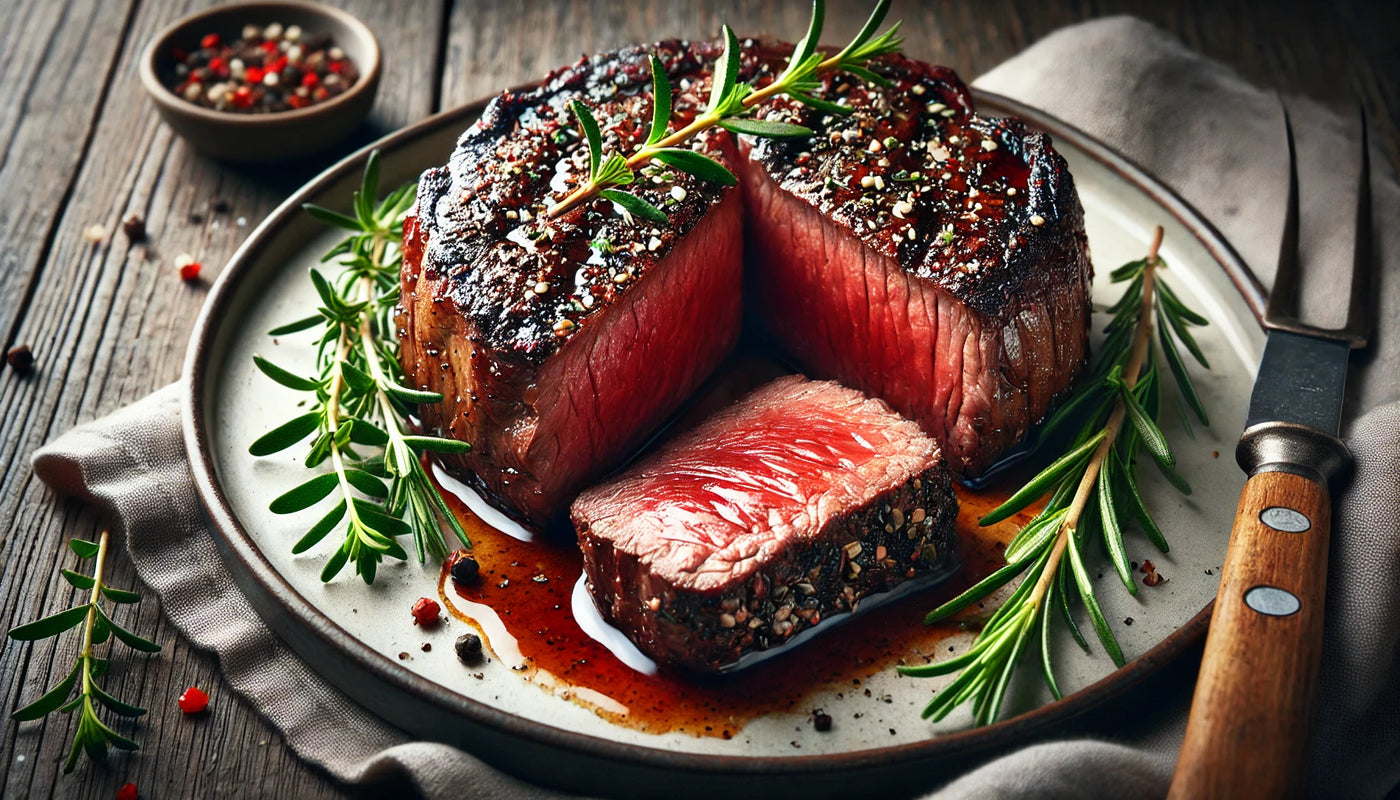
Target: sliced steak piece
x,y
789,507
922,253
560,346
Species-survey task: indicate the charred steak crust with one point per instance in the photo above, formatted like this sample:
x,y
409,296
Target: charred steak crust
x,y
944,175
950,275
540,334
526,147
689,611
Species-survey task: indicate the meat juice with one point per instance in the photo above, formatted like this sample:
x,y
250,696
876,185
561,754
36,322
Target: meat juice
x,y
522,605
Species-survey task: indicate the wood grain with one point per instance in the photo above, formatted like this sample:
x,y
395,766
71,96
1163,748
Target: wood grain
x,y
79,145
1253,706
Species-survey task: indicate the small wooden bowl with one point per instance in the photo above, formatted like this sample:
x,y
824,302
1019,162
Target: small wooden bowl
x,y
272,136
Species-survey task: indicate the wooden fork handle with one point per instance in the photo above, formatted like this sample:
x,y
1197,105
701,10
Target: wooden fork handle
x,y
1252,712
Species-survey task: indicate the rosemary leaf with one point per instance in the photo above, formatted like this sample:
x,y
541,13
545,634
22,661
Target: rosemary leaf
x,y
51,700
1040,484
589,125
284,377
697,164
635,205
762,127
51,625
661,99
726,73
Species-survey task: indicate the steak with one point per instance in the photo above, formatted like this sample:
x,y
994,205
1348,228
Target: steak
x,y
559,346
922,253
787,508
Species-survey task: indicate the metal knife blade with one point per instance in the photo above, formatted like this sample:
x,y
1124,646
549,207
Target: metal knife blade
x,y
1301,381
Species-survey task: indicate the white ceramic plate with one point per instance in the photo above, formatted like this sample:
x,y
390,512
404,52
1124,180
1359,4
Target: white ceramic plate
x,y
353,634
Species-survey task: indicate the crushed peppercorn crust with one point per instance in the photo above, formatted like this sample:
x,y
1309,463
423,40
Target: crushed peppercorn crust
x,y
973,204
527,283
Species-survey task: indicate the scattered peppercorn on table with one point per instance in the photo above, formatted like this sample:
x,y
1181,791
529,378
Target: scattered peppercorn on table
x,y
115,228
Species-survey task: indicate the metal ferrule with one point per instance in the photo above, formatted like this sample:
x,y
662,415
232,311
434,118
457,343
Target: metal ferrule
x,y
1298,449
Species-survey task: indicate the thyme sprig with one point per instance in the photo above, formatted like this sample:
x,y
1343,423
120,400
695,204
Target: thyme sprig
x,y
729,105
92,736
360,401
1093,491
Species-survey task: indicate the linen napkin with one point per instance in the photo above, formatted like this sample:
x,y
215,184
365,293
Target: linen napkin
x,y
1193,123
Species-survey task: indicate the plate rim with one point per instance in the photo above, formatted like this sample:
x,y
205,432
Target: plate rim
x,y
291,616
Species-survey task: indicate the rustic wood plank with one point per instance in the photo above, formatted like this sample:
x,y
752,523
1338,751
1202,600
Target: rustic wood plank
x,y
46,118
109,323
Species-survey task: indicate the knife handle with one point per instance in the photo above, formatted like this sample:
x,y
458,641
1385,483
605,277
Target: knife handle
x,y
1252,712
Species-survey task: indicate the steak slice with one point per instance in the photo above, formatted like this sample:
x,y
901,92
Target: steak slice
x,y
789,507
922,253
560,346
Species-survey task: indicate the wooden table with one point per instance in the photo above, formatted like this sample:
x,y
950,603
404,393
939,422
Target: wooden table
x,y
108,322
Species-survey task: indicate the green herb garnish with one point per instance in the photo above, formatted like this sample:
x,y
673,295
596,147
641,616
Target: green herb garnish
x,y
1093,490
92,736
361,401
730,103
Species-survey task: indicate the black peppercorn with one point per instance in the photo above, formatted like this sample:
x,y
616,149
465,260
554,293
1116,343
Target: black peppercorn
x,y
464,568
469,648
822,721
20,359
135,227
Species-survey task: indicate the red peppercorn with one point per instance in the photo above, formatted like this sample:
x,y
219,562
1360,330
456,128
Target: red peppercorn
x,y
309,80
128,792
219,66
295,101
178,54
243,97
189,273
193,701
278,64
336,66
210,41
269,46
425,612
253,74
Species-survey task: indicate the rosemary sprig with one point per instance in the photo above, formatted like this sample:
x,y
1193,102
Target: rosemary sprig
x,y
1093,492
730,103
93,736
361,400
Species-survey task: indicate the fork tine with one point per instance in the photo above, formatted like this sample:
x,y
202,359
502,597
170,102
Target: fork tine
x,y
1358,312
1283,299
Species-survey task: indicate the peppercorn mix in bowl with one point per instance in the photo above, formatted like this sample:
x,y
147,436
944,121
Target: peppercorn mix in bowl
x,y
263,81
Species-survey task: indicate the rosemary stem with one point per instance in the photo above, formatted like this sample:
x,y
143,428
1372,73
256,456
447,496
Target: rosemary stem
x,y
337,381
1115,422
92,606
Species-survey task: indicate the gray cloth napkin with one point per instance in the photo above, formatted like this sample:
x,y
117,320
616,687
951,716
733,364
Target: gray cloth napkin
x,y
1193,123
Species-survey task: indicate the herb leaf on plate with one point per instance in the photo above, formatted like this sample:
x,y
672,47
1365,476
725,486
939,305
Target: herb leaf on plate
x,y
358,418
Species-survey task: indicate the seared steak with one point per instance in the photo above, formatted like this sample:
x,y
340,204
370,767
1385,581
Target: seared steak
x,y
922,253
559,346
792,505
